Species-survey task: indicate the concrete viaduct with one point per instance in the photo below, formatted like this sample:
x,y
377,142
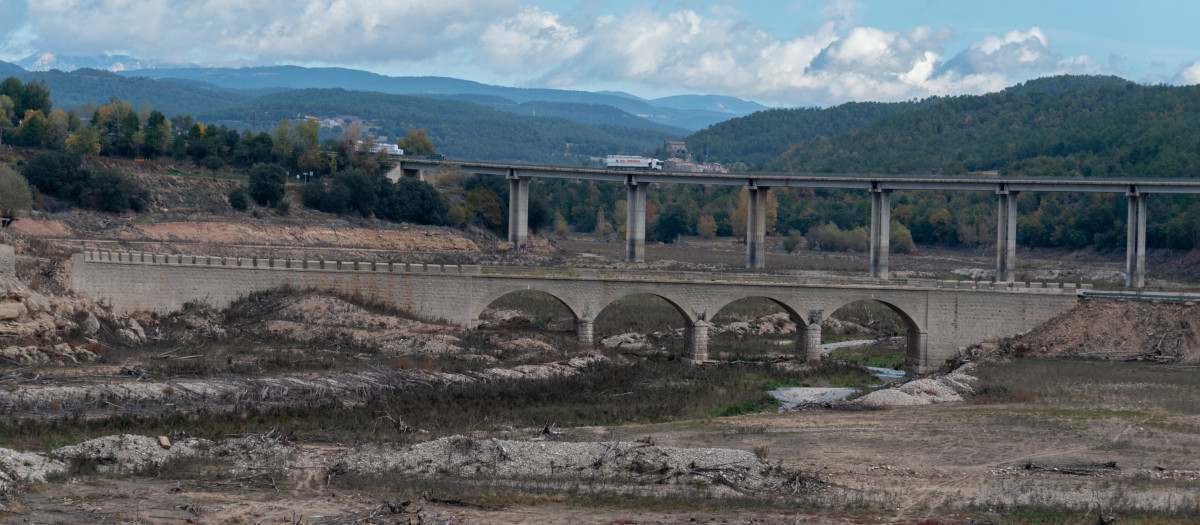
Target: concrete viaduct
x,y
941,316
879,186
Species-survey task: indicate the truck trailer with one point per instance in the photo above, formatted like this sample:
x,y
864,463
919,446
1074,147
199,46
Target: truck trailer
x,y
626,162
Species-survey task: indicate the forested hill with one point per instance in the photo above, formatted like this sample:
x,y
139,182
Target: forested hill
x,y
460,129
759,139
1102,128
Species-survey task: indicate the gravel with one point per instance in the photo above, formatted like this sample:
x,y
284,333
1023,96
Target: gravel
x,y
627,462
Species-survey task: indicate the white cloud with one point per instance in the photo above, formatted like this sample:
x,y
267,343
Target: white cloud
x,y
1190,75
514,41
265,30
1020,55
531,40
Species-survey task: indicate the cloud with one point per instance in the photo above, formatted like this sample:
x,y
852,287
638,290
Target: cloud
x,y
531,40
265,30
1018,54
713,50
1190,75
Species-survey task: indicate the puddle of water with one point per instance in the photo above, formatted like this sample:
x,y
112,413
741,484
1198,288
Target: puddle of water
x,y
794,396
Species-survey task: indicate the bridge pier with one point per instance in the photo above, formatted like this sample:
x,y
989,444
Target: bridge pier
x,y
756,227
518,210
808,343
635,222
413,174
881,226
697,339
916,357
583,328
1006,235
1135,240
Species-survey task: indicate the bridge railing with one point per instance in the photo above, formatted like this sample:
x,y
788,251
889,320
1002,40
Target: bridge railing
x,y
561,272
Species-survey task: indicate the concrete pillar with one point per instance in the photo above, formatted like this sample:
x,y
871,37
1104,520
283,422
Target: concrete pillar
x,y
635,223
881,231
808,343
756,228
583,328
916,357
1006,236
414,174
697,339
518,210
1135,241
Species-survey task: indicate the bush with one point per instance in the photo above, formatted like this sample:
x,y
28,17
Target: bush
x,y
828,237
14,193
238,199
58,175
900,240
794,240
266,183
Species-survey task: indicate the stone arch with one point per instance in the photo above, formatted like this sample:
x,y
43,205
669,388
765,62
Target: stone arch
x,y
800,335
493,296
916,348
675,302
717,307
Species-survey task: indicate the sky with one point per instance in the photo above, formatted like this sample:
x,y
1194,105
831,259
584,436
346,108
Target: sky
x,y
777,52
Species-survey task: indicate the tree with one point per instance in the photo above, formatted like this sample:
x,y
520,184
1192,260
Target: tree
x,y
738,215
83,143
267,183
707,227
486,205
416,142
672,223
15,196
212,163
560,226
603,227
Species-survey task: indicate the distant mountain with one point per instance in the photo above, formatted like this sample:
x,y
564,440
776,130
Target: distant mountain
x,y
460,129
8,70
104,62
677,111
579,112
83,86
735,107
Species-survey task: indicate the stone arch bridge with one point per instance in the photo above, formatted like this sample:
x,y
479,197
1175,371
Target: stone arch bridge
x,y
941,316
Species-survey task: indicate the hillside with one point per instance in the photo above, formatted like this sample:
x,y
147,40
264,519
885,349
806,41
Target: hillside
x,y
759,139
1062,126
460,129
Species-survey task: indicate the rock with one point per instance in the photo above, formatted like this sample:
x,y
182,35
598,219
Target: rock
x,y
137,329
91,325
164,442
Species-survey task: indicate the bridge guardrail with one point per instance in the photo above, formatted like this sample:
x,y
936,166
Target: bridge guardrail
x,y
585,273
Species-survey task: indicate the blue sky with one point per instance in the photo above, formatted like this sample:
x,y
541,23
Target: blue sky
x,y
777,52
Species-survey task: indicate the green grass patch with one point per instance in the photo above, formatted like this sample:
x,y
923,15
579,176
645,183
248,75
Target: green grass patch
x,y
605,394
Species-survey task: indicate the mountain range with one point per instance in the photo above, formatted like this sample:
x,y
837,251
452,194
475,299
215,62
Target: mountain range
x,y
678,113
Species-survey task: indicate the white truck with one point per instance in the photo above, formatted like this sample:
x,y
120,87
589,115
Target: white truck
x,y
626,162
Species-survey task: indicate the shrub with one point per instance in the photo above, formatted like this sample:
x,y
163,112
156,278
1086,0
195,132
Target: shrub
x,y
238,199
828,237
14,193
794,240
